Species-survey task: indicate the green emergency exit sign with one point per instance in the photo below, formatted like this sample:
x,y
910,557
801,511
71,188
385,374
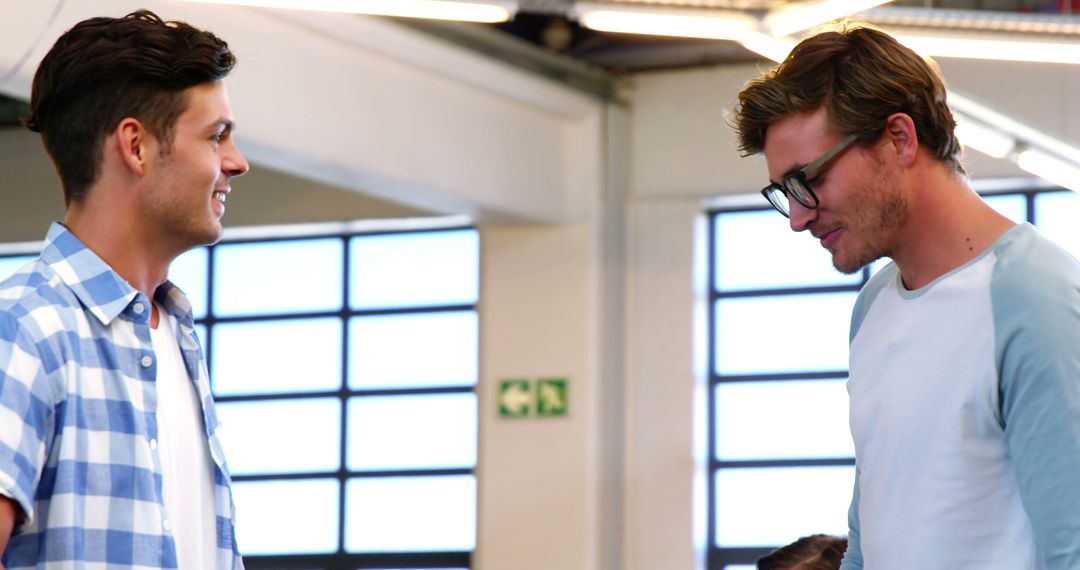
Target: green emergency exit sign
x,y
546,397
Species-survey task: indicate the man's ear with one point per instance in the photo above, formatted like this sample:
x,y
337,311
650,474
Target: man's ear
x,y
134,144
900,131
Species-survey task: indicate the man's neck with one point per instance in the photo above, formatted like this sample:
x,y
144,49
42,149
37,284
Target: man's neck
x,y
948,226
122,244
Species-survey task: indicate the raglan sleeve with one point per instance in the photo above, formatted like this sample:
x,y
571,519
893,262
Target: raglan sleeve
x,y
853,559
1037,322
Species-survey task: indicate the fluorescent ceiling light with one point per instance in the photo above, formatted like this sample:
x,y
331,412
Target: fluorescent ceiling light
x,y
805,15
1016,129
1049,168
484,12
776,49
982,138
990,47
710,24
984,20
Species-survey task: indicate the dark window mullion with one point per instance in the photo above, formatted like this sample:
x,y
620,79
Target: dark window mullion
x,y
343,392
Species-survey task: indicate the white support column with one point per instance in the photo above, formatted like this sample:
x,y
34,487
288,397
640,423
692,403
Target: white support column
x,y
665,385
538,503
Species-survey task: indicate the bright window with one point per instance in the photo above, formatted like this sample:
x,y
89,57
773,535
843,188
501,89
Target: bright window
x,y
344,369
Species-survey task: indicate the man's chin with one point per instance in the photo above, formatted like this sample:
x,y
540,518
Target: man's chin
x,y
210,236
848,269
850,266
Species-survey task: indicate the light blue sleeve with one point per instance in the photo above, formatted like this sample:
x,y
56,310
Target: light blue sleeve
x,y
1036,299
878,282
853,559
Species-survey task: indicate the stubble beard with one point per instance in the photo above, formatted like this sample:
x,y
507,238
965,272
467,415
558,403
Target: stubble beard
x,y
185,224
883,212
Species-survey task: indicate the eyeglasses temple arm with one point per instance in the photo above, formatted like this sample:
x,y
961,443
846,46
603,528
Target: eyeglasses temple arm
x,y
813,166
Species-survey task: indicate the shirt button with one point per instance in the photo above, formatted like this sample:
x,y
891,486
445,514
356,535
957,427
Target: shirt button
x,y
138,308
153,444
146,361
165,524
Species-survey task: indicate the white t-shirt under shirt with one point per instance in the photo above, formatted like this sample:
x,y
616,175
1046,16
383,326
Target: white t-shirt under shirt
x,y
187,471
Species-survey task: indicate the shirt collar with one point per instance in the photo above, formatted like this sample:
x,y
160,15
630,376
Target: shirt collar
x,y
100,289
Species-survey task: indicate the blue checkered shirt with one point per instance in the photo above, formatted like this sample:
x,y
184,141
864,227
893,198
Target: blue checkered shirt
x,y
78,431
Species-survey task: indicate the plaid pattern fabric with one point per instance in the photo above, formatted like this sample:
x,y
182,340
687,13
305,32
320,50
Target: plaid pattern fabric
x,y
78,431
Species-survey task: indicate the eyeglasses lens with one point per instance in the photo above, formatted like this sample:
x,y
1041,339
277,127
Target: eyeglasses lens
x,y
779,200
797,190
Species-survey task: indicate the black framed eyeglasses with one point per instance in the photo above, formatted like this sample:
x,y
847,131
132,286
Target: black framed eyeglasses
x,y
794,186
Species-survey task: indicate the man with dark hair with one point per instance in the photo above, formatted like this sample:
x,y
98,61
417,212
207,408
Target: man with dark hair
x,y
965,368
109,450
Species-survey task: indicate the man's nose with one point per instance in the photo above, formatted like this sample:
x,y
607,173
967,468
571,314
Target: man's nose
x,y
235,164
800,217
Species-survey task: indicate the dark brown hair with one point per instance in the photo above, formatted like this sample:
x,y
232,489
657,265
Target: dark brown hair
x,y
814,552
861,76
106,69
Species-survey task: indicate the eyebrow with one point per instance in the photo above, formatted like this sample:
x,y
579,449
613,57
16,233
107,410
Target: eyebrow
x,y
227,125
789,172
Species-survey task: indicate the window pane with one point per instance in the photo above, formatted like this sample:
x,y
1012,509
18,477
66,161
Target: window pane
x,y
258,440
278,277
287,517
1012,206
412,270
9,265
274,357
418,350
758,250
1056,214
777,505
794,333
782,420
410,514
189,273
412,432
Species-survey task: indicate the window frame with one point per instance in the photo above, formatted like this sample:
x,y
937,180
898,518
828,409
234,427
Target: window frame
x,y
341,559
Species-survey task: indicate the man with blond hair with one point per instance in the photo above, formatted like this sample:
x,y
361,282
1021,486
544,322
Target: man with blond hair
x,y
965,350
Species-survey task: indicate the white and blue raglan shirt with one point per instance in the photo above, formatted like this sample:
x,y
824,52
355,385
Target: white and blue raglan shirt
x,y
78,430
965,413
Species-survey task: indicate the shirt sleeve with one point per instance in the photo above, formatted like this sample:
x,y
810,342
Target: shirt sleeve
x,y
853,559
1037,321
25,416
